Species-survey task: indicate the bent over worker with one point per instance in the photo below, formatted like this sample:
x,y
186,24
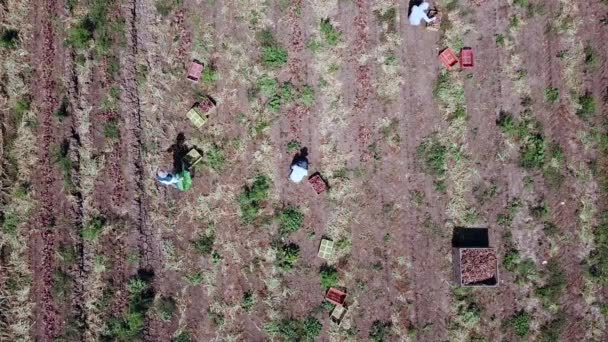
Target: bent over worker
x,y
419,13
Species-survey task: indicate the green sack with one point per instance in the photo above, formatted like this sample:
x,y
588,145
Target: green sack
x,y
185,181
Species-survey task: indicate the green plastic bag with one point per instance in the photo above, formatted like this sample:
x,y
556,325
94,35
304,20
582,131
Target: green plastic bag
x,y
185,182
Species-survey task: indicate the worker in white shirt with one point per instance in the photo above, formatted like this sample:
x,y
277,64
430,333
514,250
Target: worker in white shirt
x,y
419,13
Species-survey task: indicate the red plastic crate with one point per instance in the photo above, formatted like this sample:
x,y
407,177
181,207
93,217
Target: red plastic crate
x,y
335,296
317,183
466,58
195,70
448,58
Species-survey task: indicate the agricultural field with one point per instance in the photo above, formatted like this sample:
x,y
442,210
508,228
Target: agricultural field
x,y
93,102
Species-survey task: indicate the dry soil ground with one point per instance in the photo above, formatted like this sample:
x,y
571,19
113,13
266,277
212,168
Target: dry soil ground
x,y
93,98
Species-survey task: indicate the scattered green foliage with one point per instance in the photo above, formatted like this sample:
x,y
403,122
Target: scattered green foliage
x,y
184,336
268,85
204,244
214,158
591,59
329,276
195,278
62,284
587,106
92,231
287,256
528,133
552,330
294,330
210,75
22,106
111,130
165,306
433,156
554,286
330,34
293,146
523,268
62,158
216,317
380,331
252,198
10,221
130,326
9,39
598,258
248,301
274,56
500,39
307,96
81,34
312,328
165,7
551,95
62,112
290,220
520,323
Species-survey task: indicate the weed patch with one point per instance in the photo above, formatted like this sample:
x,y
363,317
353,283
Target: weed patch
x,y
586,106
294,330
93,230
273,55
9,39
380,331
330,34
204,244
520,323
433,156
554,286
252,198
290,220
287,256
329,276
551,95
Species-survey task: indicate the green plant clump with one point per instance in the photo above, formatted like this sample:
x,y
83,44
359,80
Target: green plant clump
x,y
554,286
290,220
165,307
295,330
520,323
92,231
329,276
111,130
287,256
248,301
433,155
329,32
204,244
9,39
130,326
380,331
587,106
214,158
552,95
252,198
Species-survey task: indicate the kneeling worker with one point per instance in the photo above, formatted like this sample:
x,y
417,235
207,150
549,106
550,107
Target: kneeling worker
x,y
419,13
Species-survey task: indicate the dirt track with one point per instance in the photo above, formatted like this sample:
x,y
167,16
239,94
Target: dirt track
x,y
374,106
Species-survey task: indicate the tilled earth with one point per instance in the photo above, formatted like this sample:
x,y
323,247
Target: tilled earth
x,y
375,103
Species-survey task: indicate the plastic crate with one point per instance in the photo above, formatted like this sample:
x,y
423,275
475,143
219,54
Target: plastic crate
x,y
448,58
195,70
466,58
326,249
335,296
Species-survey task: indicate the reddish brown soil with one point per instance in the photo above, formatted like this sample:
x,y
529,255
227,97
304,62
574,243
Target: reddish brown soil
x,y
397,269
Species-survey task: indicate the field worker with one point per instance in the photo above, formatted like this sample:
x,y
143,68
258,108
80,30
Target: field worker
x,y
299,169
419,13
167,178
